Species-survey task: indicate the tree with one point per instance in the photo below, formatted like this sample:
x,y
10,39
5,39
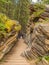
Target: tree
x,y
8,7
45,1
22,12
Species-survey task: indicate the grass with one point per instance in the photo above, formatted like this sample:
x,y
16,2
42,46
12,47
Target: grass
x,y
47,57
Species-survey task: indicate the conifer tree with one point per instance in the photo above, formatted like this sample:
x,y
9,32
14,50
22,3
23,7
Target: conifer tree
x,y
8,7
22,12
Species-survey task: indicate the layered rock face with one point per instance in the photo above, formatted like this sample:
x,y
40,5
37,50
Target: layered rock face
x,y
40,44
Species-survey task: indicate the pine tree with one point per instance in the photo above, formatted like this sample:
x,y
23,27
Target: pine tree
x,y
22,12
8,7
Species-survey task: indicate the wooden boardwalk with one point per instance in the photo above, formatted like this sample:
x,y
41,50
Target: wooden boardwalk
x,y
14,56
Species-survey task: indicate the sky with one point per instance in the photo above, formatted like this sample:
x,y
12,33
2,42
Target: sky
x,y
34,1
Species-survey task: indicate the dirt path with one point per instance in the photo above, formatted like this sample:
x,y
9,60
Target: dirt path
x,y
14,57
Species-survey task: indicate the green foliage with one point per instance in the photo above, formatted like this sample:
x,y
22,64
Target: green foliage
x,y
45,1
22,12
2,27
40,8
8,7
38,13
3,17
47,58
6,25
